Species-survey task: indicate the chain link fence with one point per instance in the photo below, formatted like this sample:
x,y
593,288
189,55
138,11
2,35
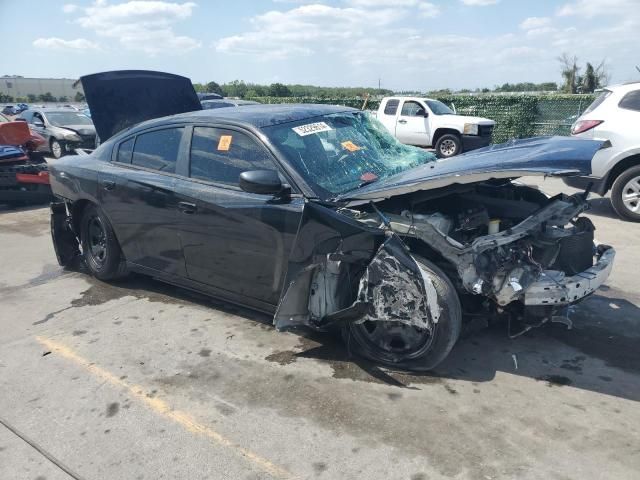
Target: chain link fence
x,y
516,116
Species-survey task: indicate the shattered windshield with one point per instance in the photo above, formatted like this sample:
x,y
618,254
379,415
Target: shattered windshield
x,y
344,151
60,119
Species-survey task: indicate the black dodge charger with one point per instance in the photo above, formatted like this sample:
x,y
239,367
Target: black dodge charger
x,y
318,216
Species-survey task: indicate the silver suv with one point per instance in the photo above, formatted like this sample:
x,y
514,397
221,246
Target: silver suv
x,y
615,116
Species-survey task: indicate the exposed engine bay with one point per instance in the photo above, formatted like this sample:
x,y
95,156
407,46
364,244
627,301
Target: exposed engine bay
x,y
508,248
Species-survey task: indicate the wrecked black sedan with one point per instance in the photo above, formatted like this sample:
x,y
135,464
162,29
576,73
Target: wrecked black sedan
x,y
317,215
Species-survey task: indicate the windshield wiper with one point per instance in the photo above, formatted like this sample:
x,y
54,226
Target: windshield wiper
x,y
364,183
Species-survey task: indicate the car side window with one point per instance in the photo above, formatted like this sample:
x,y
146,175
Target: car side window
x,y
220,156
37,116
125,150
412,109
158,149
391,107
631,101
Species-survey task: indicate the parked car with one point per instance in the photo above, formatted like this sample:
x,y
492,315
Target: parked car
x,y
64,130
225,102
425,122
22,180
9,110
18,134
208,96
614,116
315,214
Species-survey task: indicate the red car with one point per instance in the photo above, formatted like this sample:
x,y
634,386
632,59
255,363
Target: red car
x,y
21,180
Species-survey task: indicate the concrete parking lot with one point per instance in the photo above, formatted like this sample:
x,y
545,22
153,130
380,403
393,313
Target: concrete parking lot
x,y
138,380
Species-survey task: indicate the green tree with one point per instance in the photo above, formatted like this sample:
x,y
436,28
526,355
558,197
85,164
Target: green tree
x,y
589,81
570,72
31,98
237,88
213,87
46,97
79,97
279,90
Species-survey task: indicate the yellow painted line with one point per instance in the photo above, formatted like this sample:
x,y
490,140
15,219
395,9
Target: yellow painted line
x,y
164,409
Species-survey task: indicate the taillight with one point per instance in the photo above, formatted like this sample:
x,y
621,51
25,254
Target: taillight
x,y
584,125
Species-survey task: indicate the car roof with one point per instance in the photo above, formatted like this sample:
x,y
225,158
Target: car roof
x,y
258,116
623,87
233,101
53,110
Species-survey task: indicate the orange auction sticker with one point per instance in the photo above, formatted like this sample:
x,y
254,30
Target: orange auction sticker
x,y
224,144
349,145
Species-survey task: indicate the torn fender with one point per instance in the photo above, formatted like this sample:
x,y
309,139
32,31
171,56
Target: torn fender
x,y
395,288
365,273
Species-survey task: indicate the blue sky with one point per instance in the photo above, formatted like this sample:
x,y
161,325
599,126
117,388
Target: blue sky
x,y
409,44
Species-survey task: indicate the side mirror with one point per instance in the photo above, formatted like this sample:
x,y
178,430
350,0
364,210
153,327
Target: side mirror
x,y
422,113
265,182
38,123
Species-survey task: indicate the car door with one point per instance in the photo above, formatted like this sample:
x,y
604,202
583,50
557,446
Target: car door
x,y
136,191
36,117
233,241
389,114
413,124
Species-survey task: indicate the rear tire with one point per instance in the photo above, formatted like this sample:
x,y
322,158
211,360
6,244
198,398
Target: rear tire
x,y
625,194
448,145
406,347
100,248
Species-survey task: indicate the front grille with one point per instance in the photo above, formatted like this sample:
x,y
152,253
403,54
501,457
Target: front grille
x,y
485,130
88,141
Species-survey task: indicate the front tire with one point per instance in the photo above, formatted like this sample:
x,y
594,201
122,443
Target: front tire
x,y
57,148
625,194
448,145
405,347
100,248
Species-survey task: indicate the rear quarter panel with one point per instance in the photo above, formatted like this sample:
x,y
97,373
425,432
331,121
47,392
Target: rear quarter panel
x,y
75,177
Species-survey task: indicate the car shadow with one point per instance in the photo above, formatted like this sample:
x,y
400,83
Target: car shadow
x,y
601,207
600,353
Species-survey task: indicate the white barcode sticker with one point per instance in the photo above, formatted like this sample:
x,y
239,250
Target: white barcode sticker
x,y
310,128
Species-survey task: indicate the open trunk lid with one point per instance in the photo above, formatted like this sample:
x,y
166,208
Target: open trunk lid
x,y
121,99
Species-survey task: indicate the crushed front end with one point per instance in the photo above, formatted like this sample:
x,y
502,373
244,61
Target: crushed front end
x,y
511,249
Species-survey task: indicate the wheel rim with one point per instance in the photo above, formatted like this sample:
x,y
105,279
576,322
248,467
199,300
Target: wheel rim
x,y
393,339
631,195
56,149
97,240
448,147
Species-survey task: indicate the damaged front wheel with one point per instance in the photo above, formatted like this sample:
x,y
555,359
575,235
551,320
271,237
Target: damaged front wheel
x,y
406,346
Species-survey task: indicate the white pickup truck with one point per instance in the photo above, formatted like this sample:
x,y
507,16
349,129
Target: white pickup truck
x,y
425,122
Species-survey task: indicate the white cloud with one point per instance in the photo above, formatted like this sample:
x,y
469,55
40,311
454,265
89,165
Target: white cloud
x,y
306,29
69,8
535,22
594,8
479,3
428,10
145,26
55,43
384,3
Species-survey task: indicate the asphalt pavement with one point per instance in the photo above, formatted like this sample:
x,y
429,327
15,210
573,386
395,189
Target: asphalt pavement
x,y
139,380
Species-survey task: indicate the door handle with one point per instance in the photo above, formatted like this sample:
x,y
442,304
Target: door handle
x,y
187,208
108,184
402,121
